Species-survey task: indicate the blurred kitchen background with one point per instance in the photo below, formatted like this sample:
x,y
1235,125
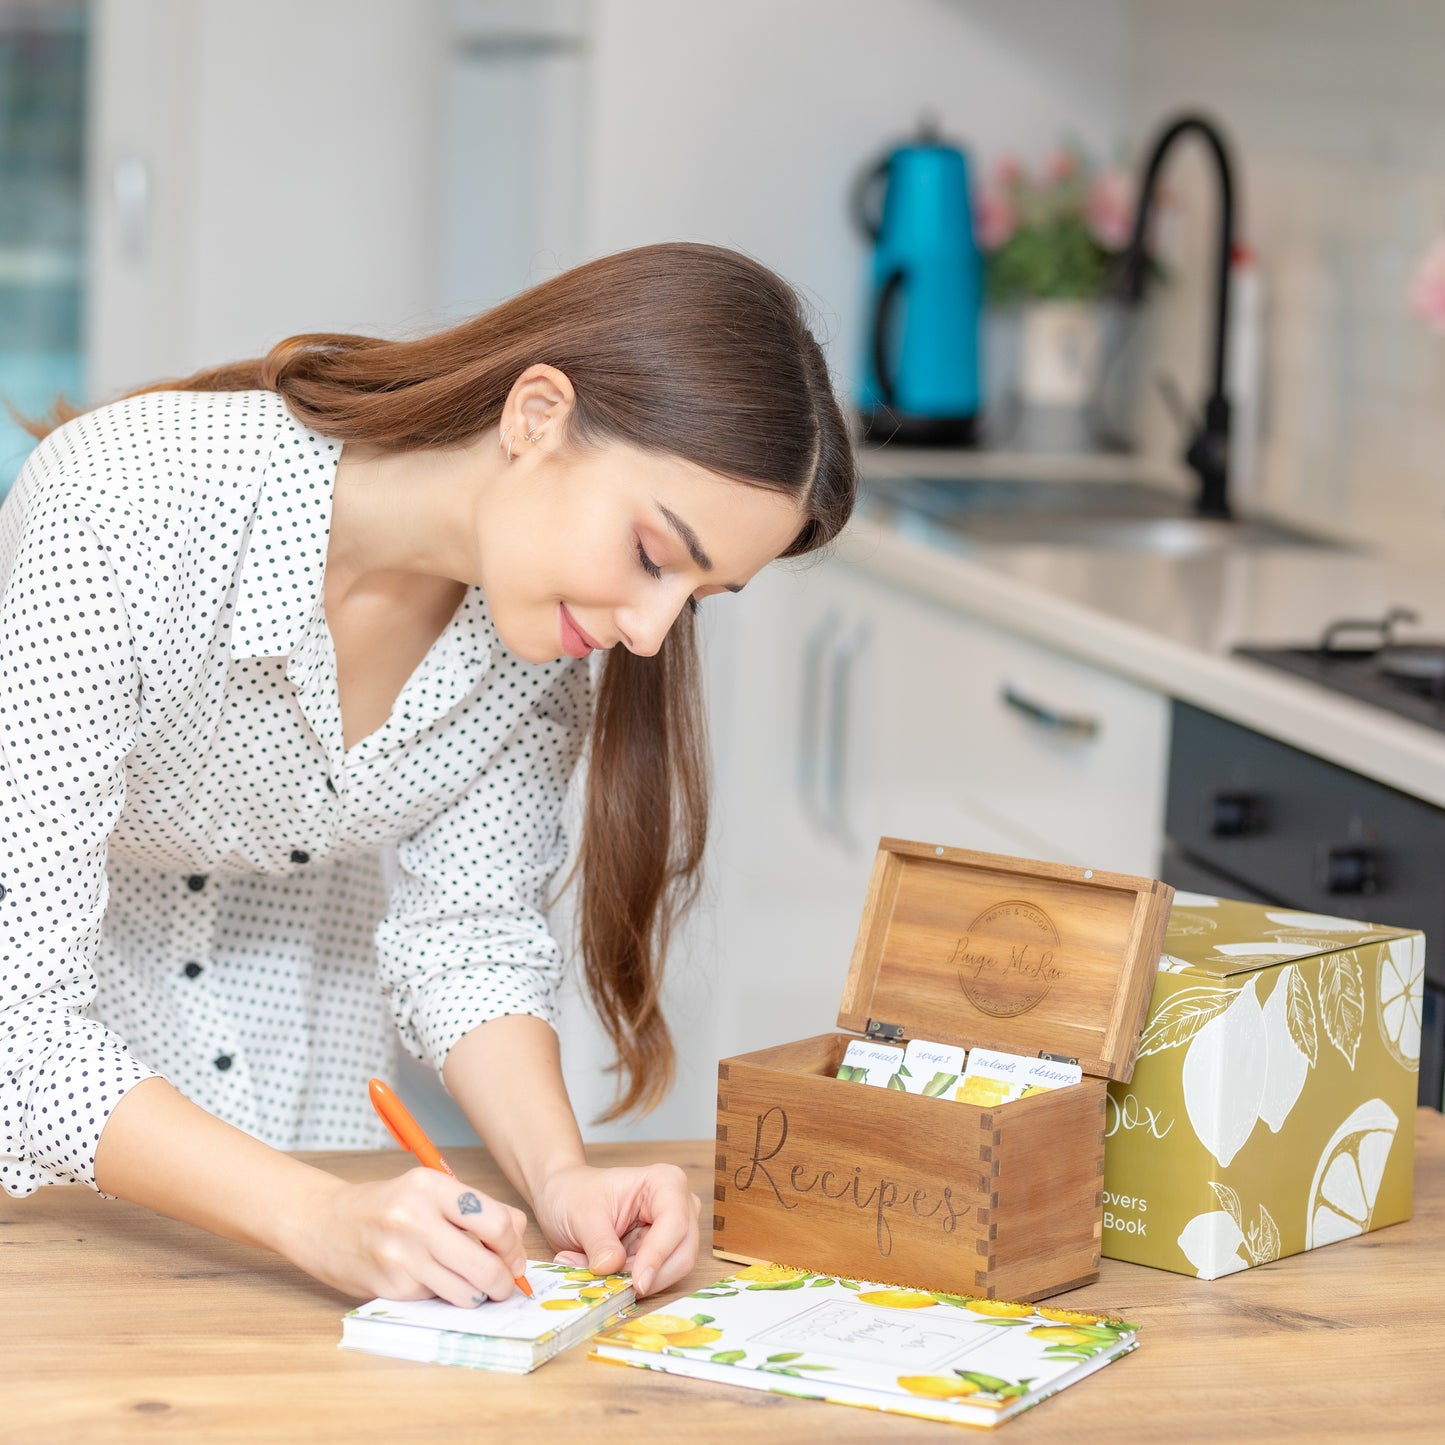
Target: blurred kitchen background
x,y
187,181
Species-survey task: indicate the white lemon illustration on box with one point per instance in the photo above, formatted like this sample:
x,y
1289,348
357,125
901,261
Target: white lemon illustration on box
x,y
1211,1243
1189,922
1347,1178
1264,954
1290,1046
1216,1243
1224,1075
1399,980
1315,922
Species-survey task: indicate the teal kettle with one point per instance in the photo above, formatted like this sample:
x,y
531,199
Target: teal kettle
x,y
920,373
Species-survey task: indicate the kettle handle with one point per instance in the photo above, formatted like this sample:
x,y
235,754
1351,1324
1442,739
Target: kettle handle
x,y
867,200
888,295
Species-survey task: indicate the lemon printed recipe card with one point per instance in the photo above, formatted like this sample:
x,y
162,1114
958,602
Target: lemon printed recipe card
x,y
905,1351
515,1334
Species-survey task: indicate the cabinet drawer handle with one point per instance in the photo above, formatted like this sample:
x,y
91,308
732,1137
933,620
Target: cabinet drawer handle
x,y
1073,725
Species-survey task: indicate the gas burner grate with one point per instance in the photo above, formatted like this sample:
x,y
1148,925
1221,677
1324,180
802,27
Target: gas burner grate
x,y
1357,673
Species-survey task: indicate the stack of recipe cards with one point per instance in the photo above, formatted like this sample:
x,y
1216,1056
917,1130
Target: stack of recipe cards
x,y
515,1334
944,1071
904,1351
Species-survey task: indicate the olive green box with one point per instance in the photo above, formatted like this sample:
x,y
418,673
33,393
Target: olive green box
x,y
1272,1107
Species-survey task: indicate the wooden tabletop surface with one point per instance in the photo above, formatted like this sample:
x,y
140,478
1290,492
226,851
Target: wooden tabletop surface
x,y
119,1326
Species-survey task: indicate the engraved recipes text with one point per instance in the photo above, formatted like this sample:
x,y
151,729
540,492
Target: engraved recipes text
x,y
786,1177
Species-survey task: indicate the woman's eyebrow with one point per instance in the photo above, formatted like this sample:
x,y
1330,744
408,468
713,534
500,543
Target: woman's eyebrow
x,y
691,542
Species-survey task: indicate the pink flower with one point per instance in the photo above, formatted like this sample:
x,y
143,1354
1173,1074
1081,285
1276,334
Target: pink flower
x,y
995,218
1109,209
1062,165
1008,171
1427,291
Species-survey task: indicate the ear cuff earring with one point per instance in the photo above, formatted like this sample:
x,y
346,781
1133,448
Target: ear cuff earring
x,y
505,441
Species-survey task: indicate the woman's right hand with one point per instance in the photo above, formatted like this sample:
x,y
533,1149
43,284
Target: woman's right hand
x,y
422,1233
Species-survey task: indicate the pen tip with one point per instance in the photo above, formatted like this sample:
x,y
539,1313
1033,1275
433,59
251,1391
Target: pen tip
x,y
520,1281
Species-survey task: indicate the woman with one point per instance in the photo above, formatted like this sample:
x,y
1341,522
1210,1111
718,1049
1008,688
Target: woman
x,y
261,623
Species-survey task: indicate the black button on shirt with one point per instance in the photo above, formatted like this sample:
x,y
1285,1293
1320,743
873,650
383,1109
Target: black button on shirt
x,y
300,855
196,882
223,1062
192,970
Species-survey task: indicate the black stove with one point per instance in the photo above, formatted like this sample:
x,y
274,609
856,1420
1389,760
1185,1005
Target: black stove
x,y
1363,660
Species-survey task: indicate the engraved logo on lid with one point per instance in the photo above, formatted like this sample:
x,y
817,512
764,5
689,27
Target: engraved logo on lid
x,y
1005,962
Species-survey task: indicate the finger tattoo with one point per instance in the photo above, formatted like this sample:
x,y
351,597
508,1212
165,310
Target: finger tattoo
x,y
468,1203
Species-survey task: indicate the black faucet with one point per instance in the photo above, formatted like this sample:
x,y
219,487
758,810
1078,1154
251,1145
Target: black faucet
x,y
1207,452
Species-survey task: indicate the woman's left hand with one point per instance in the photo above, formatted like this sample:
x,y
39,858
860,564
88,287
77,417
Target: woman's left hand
x,y
640,1219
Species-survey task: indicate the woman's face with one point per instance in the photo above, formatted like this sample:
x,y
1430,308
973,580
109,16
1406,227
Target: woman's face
x,y
591,548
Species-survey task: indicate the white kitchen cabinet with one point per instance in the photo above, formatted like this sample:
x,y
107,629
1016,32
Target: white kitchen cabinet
x,y
1068,754
846,709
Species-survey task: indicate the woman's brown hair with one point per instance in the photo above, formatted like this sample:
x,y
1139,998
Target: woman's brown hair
x,y
681,350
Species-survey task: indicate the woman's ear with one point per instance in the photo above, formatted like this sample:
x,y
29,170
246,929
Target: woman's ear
x,y
539,405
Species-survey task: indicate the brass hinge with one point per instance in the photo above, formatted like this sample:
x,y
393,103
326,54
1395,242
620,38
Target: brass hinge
x,y
1057,1058
879,1030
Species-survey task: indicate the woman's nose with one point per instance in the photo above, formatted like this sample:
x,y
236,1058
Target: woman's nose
x,y
643,628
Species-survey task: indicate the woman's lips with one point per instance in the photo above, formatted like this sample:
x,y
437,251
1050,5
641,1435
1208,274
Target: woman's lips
x,y
575,642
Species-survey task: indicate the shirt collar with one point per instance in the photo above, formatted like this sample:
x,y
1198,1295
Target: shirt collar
x,y
278,584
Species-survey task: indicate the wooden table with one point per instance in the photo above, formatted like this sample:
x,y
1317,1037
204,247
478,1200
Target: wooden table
x,y
119,1326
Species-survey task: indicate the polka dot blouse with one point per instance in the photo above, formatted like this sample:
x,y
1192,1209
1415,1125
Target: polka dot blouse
x,y
197,878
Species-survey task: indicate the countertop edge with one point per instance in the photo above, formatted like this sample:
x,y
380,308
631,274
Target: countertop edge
x,y
1366,740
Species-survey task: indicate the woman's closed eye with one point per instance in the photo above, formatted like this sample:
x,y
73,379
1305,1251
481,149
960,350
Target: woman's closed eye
x,y
653,570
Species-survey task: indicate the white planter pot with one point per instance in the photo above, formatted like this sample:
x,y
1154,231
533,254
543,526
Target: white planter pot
x,y
1060,347
1063,376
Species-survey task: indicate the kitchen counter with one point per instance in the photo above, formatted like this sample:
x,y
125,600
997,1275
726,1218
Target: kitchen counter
x,y
122,1326
1169,623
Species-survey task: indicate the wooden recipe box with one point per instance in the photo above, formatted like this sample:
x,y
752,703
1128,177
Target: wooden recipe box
x,y
1006,1201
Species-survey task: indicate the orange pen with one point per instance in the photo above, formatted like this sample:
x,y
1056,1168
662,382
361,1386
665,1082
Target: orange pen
x,y
411,1136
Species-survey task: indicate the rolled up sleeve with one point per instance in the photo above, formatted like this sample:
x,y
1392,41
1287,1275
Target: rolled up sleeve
x,y
465,939
69,711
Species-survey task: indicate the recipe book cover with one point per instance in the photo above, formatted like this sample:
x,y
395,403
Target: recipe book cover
x,y
515,1334
904,1351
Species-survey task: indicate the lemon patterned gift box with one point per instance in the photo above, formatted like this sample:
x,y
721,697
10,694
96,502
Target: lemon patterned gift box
x,y
1272,1107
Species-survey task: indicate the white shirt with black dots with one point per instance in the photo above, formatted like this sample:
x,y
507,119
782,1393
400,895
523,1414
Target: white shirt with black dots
x,y
191,878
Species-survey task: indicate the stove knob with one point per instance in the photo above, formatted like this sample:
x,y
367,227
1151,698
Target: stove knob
x,y
1235,815
1351,870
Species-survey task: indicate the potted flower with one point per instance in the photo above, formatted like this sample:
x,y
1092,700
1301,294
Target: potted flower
x,y
1050,240
1427,288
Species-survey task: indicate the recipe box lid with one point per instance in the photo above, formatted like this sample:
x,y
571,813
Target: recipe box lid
x,y
979,949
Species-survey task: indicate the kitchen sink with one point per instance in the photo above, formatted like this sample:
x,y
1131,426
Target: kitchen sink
x,y
1123,516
